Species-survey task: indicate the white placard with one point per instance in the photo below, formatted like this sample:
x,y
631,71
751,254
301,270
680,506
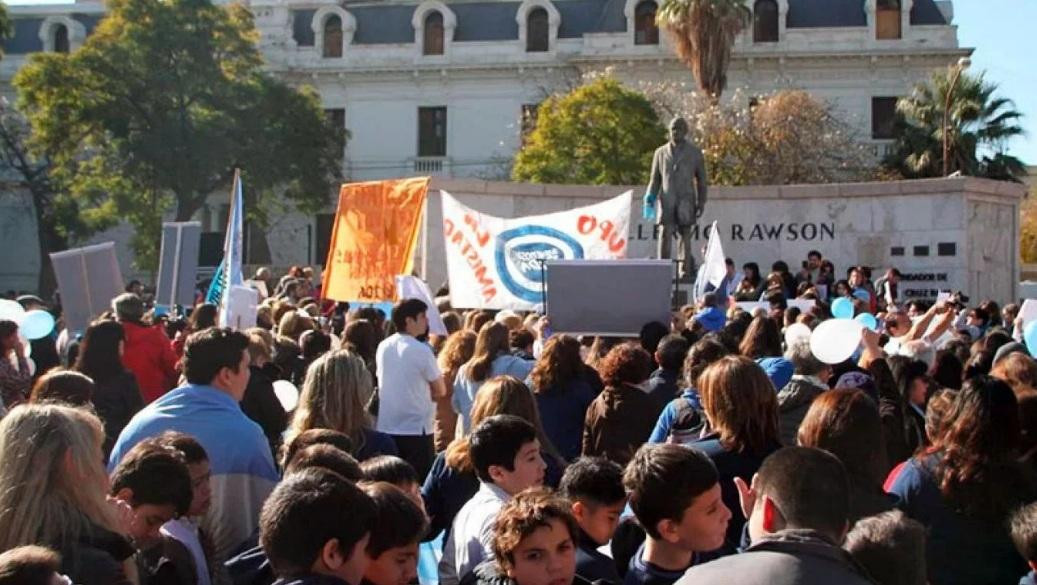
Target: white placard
x,y
88,279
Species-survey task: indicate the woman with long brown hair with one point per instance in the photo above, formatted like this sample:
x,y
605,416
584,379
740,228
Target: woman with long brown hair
x,y
457,350
117,397
741,408
964,490
562,393
492,358
451,482
846,423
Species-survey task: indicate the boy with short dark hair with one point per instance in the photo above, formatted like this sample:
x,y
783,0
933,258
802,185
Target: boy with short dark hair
x,y
327,456
664,383
185,529
891,547
314,528
1024,534
309,437
675,495
594,487
505,453
398,529
392,469
154,480
30,565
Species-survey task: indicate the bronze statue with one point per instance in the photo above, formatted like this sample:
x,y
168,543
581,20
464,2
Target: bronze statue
x,y
679,185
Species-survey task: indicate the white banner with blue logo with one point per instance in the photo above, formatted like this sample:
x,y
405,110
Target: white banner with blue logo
x,y
497,263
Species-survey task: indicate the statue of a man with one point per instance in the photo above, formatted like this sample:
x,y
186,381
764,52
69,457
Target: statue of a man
x,y
679,186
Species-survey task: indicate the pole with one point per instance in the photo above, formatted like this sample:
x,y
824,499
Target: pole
x,y
946,123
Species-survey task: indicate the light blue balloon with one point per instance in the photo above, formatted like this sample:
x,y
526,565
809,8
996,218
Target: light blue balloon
x,y
842,308
36,324
868,320
1030,337
862,294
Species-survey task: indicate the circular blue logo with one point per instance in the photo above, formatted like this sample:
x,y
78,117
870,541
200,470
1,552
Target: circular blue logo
x,y
519,252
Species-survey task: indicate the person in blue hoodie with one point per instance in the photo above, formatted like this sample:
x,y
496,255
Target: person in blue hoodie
x,y
682,420
1024,534
314,528
710,316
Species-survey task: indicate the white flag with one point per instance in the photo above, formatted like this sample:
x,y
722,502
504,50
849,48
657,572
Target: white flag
x,y
714,265
412,287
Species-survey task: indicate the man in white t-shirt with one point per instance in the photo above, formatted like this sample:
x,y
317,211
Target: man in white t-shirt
x,y
408,381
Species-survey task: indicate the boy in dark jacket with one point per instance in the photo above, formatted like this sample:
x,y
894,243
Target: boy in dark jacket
x,y
154,480
315,527
393,547
675,494
594,486
798,509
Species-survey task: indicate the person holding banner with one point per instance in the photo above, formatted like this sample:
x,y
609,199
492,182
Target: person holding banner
x,y
408,381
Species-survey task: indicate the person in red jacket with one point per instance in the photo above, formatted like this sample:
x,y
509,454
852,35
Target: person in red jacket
x,y
148,352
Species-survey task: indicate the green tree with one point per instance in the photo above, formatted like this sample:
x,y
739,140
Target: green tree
x,y
599,133
704,32
979,127
160,105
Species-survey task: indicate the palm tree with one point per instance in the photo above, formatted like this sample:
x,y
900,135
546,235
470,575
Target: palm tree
x,y
704,32
980,125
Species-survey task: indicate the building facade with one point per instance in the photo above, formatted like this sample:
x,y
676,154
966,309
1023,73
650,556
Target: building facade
x,y
447,87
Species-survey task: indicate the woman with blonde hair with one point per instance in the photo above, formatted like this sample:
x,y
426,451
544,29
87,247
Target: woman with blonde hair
x,y
53,491
294,323
492,358
334,396
451,482
456,352
741,408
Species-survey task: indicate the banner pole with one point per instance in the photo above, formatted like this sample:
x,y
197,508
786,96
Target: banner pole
x,y
543,282
177,249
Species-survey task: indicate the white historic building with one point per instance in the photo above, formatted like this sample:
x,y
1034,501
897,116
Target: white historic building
x,y
445,87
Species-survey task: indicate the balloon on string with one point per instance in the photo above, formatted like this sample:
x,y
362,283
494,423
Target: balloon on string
x,y
835,340
796,333
868,320
1030,337
11,310
287,394
36,324
842,308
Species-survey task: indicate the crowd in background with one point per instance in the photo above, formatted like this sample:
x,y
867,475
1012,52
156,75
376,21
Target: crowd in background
x,y
329,442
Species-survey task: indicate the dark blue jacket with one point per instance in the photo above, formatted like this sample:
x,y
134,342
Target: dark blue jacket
x,y
376,443
562,411
959,549
592,565
642,572
729,466
663,386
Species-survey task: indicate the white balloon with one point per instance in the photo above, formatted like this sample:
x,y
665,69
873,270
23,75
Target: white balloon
x,y
835,340
11,310
796,333
287,394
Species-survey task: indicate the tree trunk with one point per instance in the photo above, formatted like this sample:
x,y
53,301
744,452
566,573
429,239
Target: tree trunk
x,y
48,240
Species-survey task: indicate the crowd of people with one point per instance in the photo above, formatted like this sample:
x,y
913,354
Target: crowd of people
x,y
156,448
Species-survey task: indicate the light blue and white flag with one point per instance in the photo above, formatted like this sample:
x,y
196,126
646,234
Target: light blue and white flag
x,y
228,275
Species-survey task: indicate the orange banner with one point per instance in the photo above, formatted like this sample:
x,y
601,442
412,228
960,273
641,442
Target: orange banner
x,y
373,240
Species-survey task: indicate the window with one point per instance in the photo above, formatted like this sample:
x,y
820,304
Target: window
x,y
646,32
433,34
529,119
432,131
887,19
302,27
883,113
765,21
537,31
61,39
336,117
332,36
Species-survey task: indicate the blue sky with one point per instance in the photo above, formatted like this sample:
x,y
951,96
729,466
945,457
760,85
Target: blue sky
x,y
1002,32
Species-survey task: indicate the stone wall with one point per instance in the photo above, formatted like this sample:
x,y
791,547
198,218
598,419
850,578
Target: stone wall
x,y
943,234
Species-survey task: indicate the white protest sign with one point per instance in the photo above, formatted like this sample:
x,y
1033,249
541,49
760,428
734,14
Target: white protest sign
x,y
241,305
412,287
497,263
178,263
88,279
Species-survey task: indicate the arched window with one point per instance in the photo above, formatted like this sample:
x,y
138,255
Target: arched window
x,y
646,32
333,36
433,44
61,38
765,21
537,31
887,19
